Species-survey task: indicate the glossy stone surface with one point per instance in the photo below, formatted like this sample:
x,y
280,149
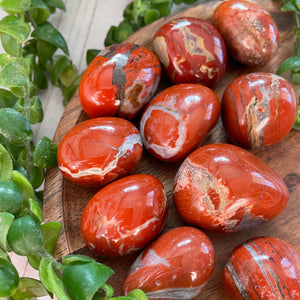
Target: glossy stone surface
x,y
178,119
258,110
191,51
98,151
224,188
177,265
263,268
120,81
250,33
125,215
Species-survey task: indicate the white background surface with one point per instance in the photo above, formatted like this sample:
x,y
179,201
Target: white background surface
x,y
84,26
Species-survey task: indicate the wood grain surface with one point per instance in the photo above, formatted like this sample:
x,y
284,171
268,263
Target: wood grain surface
x,y
65,201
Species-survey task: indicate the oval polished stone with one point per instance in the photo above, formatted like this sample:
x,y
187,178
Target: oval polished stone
x,y
177,265
191,51
120,81
98,151
258,110
125,215
224,188
178,119
263,268
250,33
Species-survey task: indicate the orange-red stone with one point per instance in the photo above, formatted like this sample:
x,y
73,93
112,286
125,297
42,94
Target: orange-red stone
x,y
98,151
224,188
263,268
250,33
258,110
125,215
178,119
120,81
177,265
191,51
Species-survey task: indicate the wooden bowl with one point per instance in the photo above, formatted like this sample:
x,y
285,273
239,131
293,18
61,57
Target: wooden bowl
x,y
65,201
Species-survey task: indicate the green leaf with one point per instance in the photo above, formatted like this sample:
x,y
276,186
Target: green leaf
x,y
163,6
69,91
151,15
45,51
39,11
39,77
7,99
60,65
15,27
297,121
56,3
24,236
10,44
37,176
6,164
289,64
6,220
55,282
9,278
82,279
14,75
24,184
123,31
11,197
76,258
43,273
48,33
91,54
14,126
29,287
137,294
35,106
289,6
15,6
45,153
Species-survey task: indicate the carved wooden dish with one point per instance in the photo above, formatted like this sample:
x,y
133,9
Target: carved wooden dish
x,y
64,201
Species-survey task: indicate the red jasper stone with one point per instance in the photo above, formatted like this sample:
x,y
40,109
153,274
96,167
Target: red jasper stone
x,y
100,150
258,110
177,265
120,81
224,188
125,215
250,33
263,268
191,51
178,119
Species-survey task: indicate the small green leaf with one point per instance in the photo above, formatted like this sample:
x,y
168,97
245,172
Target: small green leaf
x,y
14,126
56,3
9,278
24,236
39,77
45,153
289,6
29,287
69,91
35,106
289,64
10,45
11,197
55,282
7,99
14,75
6,164
48,33
151,15
91,54
15,27
15,6
37,176
76,258
43,273
24,184
163,6
39,11
6,220
45,51
82,279
60,65
297,121
123,31
137,294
